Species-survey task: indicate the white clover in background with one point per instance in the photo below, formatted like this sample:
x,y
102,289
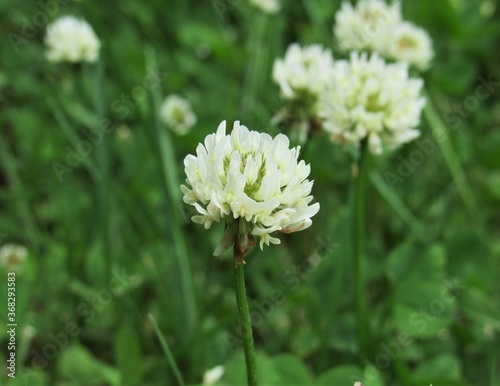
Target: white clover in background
x,y
267,6
376,26
177,114
212,376
369,99
301,75
304,71
13,257
407,43
72,40
359,27
250,177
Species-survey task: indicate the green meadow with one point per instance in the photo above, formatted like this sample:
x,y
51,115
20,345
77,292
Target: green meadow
x,y
120,287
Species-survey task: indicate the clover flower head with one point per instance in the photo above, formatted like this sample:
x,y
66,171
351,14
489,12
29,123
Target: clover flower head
x,y
360,27
368,98
267,6
376,26
251,179
407,43
72,40
304,71
177,114
13,257
210,377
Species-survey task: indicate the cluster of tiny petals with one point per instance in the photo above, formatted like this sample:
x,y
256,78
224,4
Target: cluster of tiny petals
x,y
177,114
358,27
367,98
252,176
72,40
267,6
407,43
12,257
304,70
377,26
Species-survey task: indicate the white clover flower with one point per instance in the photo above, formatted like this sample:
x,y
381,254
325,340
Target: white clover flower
x,y
368,98
251,179
72,40
12,257
210,377
406,42
267,6
304,71
177,114
360,27
377,26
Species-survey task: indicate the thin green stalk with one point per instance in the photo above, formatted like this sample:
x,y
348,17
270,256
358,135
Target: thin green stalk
x,y
399,207
358,240
402,370
19,194
71,135
442,136
166,350
172,186
256,63
241,298
493,363
103,162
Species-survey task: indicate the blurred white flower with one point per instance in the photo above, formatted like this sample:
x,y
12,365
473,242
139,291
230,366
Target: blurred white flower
x,y
359,27
210,377
358,384
252,177
13,257
177,114
267,6
71,39
376,26
406,42
304,71
369,99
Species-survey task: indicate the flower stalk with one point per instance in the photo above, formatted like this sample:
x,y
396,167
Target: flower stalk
x,y
244,312
243,241
358,241
257,185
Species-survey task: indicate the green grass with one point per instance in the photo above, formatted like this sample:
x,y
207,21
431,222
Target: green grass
x,y
431,256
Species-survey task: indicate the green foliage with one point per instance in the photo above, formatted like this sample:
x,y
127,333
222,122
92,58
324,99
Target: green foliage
x,y
281,369
422,304
77,365
128,356
432,248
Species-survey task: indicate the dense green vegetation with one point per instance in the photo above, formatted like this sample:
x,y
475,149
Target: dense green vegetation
x,y
110,241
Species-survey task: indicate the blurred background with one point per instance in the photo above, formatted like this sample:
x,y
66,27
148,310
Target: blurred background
x,y
109,240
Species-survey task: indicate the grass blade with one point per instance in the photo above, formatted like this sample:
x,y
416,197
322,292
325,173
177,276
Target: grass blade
x,y
440,131
166,350
18,190
187,302
399,207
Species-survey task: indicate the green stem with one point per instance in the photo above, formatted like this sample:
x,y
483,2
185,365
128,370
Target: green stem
x,y
257,62
167,351
19,194
183,271
103,162
241,298
493,363
399,207
440,132
358,237
70,132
